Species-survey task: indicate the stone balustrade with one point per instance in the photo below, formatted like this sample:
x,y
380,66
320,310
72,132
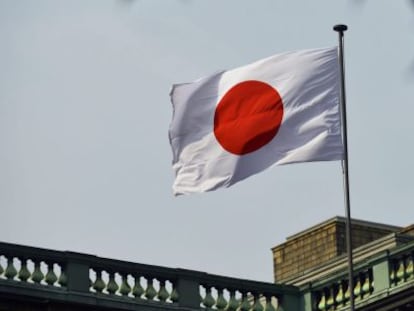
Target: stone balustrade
x,y
71,277
97,283
380,275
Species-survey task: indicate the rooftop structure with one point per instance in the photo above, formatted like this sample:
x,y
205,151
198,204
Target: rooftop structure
x,y
320,244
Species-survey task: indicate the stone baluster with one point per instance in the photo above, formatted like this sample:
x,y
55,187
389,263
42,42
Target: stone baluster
x,y
269,305
400,273
50,277
393,280
357,287
322,301
409,270
208,300
37,275
137,290
340,296
233,302
245,304
367,288
163,294
112,286
1,267
174,294
98,285
347,291
11,271
150,292
257,306
24,273
125,288
330,300
221,302
63,278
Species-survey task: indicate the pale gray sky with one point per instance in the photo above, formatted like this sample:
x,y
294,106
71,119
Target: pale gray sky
x,y
85,162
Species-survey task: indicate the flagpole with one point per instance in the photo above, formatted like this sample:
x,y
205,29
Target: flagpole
x,y
341,29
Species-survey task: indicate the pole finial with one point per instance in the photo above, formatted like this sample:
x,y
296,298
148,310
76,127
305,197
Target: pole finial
x,y
340,28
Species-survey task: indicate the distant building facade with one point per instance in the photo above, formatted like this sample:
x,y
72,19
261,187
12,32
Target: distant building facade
x,y
315,260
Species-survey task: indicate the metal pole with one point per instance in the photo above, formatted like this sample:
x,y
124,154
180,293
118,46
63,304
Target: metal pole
x,y
341,29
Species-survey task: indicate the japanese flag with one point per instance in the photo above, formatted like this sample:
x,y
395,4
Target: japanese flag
x,y
236,123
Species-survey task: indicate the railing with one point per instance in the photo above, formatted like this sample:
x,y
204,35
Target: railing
x,y
64,276
67,277
401,268
391,269
335,296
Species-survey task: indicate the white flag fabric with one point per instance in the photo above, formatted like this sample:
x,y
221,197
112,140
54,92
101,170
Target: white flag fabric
x,y
236,123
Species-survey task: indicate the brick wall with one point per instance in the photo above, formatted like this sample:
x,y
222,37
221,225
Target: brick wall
x,y
321,243
304,252
361,234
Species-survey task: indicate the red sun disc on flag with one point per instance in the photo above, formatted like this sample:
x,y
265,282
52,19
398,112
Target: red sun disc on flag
x,y
248,117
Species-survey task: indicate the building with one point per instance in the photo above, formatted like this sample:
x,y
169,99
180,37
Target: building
x,y
310,275
315,261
